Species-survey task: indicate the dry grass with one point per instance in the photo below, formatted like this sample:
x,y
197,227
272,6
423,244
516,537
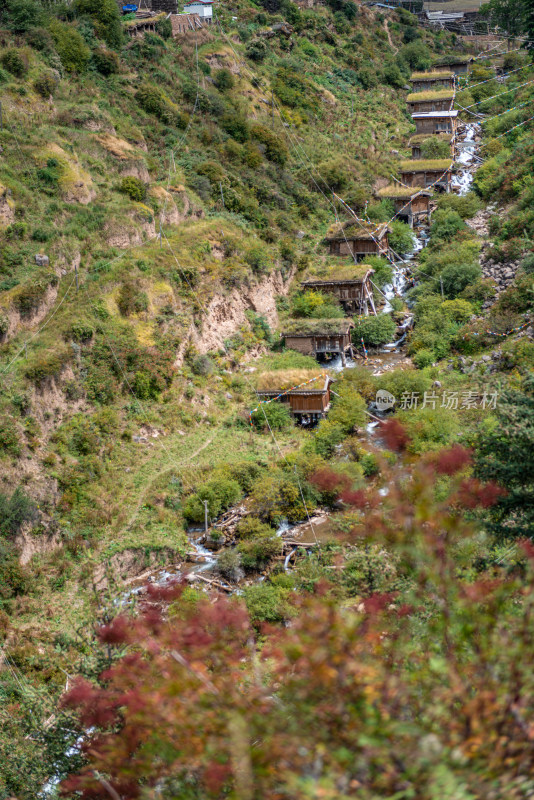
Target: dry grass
x,y
355,230
431,76
426,165
438,94
403,192
284,379
340,272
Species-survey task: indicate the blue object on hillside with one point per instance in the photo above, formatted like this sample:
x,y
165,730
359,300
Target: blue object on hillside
x,y
129,8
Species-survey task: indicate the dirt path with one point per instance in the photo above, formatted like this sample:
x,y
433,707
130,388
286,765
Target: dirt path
x,y
171,467
390,40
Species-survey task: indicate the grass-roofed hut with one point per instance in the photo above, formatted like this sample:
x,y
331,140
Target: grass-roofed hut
x,y
358,239
307,392
457,64
430,100
435,172
416,142
435,79
349,283
411,205
321,338
430,122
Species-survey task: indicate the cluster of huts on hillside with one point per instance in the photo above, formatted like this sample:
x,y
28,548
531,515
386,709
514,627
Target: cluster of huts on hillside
x,y
431,105
147,13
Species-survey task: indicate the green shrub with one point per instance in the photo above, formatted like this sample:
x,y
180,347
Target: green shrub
x,y
46,365
105,61
370,465
252,528
223,80
258,258
275,497
528,264
70,46
80,331
131,298
9,438
275,414
133,187
429,429
202,365
446,224
164,29
235,126
317,305
105,17
221,493
4,325
401,238
15,511
423,358
256,50
258,551
45,84
374,330
435,148
154,100
14,63
267,603
275,148
229,564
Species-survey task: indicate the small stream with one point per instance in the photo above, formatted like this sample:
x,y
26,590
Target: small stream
x,y
202,562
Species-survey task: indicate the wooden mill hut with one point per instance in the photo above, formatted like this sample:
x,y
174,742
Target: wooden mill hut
x,y
430,81
457,64
417,141
431,100
321,338
358,239
427,172
431,122
350,284
411,205
306,392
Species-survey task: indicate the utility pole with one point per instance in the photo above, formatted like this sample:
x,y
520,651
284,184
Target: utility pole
x,y
441,284
205,515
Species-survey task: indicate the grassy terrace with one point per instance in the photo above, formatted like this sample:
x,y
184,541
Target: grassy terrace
x,y
439,94
307,327
454,59
426,165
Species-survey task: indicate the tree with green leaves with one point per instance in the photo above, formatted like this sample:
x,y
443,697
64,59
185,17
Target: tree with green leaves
x,y
506,455
105,17
509,15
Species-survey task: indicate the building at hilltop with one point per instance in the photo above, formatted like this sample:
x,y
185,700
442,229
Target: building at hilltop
x,y
320,338
412,206
431,100
305,392
430,122
429,81
435,172
350,284
358,239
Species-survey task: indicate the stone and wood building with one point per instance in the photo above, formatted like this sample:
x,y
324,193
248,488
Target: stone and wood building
x,y
305,392
358,240
427,172
350,284
412,206
457,64
416,142
432,122
431,81
432,100
320,338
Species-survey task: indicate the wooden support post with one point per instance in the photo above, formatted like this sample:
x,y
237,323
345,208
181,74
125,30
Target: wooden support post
x,y
206,527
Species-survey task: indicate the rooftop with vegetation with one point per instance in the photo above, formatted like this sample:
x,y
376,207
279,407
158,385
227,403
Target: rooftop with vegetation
x,y
310,380
426,165
431,75
355,229
438,94
304,327
342,272
395,190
